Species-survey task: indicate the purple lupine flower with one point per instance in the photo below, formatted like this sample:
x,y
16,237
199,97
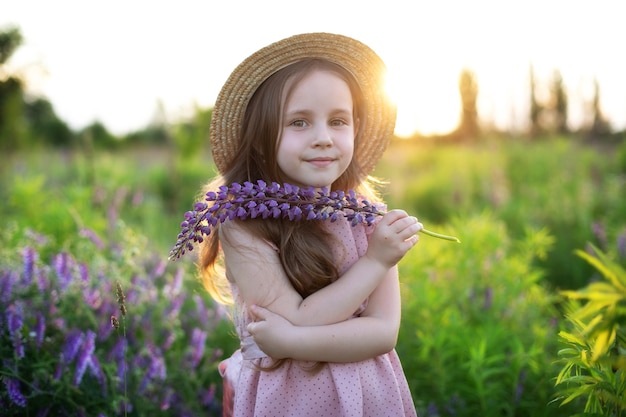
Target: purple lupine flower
x,y
43,281
84,357
202,312
156,368
93,236
7,279
268,201
262,200
83,273
40,329
13,389
15,322
62,266
29,255
174,308
207,396
159,269
73,342
198,341
92,297
170,338
93,365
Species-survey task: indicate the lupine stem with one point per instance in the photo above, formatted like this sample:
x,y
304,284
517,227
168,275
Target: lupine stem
x,y
440,236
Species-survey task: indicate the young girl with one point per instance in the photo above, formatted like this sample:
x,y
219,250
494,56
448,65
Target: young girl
x,y
316,303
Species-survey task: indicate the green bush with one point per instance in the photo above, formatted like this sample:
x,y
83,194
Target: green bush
x,y
478,326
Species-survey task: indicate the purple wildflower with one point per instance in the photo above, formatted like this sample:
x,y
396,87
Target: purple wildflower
x,y
207,396
91,235
262,200
273,201
156,368
84,358
73,342
202,311
40,329
43,281
13,389
7,279
93,365
83,272
15,322
62,266
29,255
159,269
173,309
198,341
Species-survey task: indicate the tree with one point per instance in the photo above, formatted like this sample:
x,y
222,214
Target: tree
x,y
44,124
558,104
600,126
468,88
12,123
535,107
10,40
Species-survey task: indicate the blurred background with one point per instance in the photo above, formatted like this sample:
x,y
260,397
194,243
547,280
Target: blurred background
x,y
511,134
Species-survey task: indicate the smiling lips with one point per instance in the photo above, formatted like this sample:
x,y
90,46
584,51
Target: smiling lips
x,y
320,162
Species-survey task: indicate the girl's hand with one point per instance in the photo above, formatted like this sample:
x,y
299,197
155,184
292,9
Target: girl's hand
x,y
271,332
392,238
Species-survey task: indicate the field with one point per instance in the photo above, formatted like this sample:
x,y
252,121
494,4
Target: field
x,y
86,234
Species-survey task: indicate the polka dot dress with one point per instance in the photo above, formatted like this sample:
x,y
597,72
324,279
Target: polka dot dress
x,y
375,387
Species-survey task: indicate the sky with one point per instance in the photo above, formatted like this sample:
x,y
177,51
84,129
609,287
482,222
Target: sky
x,y
119,61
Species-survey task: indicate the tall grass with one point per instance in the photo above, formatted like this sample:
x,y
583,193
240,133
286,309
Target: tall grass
x,y
572,190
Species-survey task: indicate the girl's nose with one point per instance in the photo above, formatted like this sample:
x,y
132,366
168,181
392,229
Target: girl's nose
x,y
322,137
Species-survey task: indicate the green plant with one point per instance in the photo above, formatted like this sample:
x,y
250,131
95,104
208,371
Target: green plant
x,y
594,361
477,323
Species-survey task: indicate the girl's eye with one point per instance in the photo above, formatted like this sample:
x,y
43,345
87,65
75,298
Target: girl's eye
x,y
299,123
338,122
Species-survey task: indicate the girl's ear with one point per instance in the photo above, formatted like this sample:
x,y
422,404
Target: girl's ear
x,y
357,122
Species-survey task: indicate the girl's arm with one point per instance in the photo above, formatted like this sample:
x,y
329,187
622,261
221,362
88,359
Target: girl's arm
x,y
261,280
373,333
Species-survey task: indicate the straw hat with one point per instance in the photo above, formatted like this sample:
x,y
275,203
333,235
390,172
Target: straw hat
x,y
361,61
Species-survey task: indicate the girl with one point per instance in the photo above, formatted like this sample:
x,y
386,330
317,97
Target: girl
x,y
316,303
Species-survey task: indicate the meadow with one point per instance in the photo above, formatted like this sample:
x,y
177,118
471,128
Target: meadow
x,y
97,321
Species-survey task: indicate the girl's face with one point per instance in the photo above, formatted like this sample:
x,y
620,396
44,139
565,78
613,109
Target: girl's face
x,y
317,138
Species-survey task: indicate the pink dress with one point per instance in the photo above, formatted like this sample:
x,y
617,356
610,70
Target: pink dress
x,y
374,387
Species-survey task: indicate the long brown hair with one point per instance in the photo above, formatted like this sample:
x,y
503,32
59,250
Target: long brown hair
x,y
303,246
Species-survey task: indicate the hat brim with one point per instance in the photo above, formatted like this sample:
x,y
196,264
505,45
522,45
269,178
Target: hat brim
x,y
360,60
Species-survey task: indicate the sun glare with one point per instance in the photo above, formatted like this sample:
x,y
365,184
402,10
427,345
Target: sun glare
x,y
425,106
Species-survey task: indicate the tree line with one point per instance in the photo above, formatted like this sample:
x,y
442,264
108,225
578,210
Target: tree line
x,y
27,121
